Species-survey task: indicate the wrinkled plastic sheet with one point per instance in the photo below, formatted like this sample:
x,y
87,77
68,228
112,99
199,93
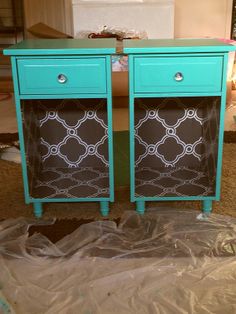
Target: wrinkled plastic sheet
x,y
166,261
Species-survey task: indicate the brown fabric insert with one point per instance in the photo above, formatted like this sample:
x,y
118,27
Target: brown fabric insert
x,y
175,136
66,144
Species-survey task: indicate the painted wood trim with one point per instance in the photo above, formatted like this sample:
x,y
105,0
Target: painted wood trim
x,y
221,129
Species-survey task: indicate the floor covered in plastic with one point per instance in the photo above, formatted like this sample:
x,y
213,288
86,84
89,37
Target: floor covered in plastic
x,y
166,261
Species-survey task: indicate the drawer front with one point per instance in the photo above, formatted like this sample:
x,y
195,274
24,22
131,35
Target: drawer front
x,y
177,74
62,76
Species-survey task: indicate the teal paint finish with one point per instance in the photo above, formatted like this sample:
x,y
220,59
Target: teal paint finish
x,y
65,95
131,130
104,208
140,207
176,94
152,68
62,47
207,206
174,74
175,46
86,65
221,129
64,76
110,128
38,209
20,130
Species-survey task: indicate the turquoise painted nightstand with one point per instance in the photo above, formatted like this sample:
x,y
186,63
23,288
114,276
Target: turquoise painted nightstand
x,y
177,91
64,113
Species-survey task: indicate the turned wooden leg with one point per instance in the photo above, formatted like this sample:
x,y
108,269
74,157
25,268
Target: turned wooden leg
x,y
104,208
207,206
38,209
140,207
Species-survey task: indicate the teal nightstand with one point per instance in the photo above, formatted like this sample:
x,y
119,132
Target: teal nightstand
x,y
64,113
177,91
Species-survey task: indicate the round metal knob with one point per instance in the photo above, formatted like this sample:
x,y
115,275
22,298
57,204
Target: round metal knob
x,y
179,77
61,78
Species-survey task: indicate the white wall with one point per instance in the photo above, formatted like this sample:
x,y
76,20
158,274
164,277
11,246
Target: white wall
x,y
155,17
193,18
203,18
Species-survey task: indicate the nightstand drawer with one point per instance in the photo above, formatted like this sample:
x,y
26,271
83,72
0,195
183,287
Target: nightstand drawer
x,y
177,74
62,76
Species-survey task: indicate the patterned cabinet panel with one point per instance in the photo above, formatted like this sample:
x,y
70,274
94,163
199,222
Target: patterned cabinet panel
x,y
176,144
64,158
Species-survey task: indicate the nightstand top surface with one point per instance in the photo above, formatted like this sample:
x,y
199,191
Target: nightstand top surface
x,y
62,47
176,46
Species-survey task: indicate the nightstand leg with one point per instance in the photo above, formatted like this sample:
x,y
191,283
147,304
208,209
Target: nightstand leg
x,y
140,207
104,208
38,209
207,206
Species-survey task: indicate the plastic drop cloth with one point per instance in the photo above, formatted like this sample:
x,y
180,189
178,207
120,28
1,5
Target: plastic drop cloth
x,y
166,261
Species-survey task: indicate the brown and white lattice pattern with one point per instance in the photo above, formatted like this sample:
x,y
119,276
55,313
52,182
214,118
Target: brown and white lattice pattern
x,y
176,135
84,182
67,147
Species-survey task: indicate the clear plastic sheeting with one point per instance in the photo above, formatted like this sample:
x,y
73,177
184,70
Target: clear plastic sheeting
x,y
166,261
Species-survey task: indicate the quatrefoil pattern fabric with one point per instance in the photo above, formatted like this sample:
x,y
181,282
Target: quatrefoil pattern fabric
x,y
67,148
176,144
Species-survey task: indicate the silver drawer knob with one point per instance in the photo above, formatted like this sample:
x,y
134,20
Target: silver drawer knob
x,y
179,77
61,78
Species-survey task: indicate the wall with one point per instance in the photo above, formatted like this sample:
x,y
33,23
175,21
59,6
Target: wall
x,y
55,13
203,18
156,18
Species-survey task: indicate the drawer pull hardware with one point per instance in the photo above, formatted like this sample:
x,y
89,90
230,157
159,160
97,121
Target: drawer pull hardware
x,y
179,77
61,78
